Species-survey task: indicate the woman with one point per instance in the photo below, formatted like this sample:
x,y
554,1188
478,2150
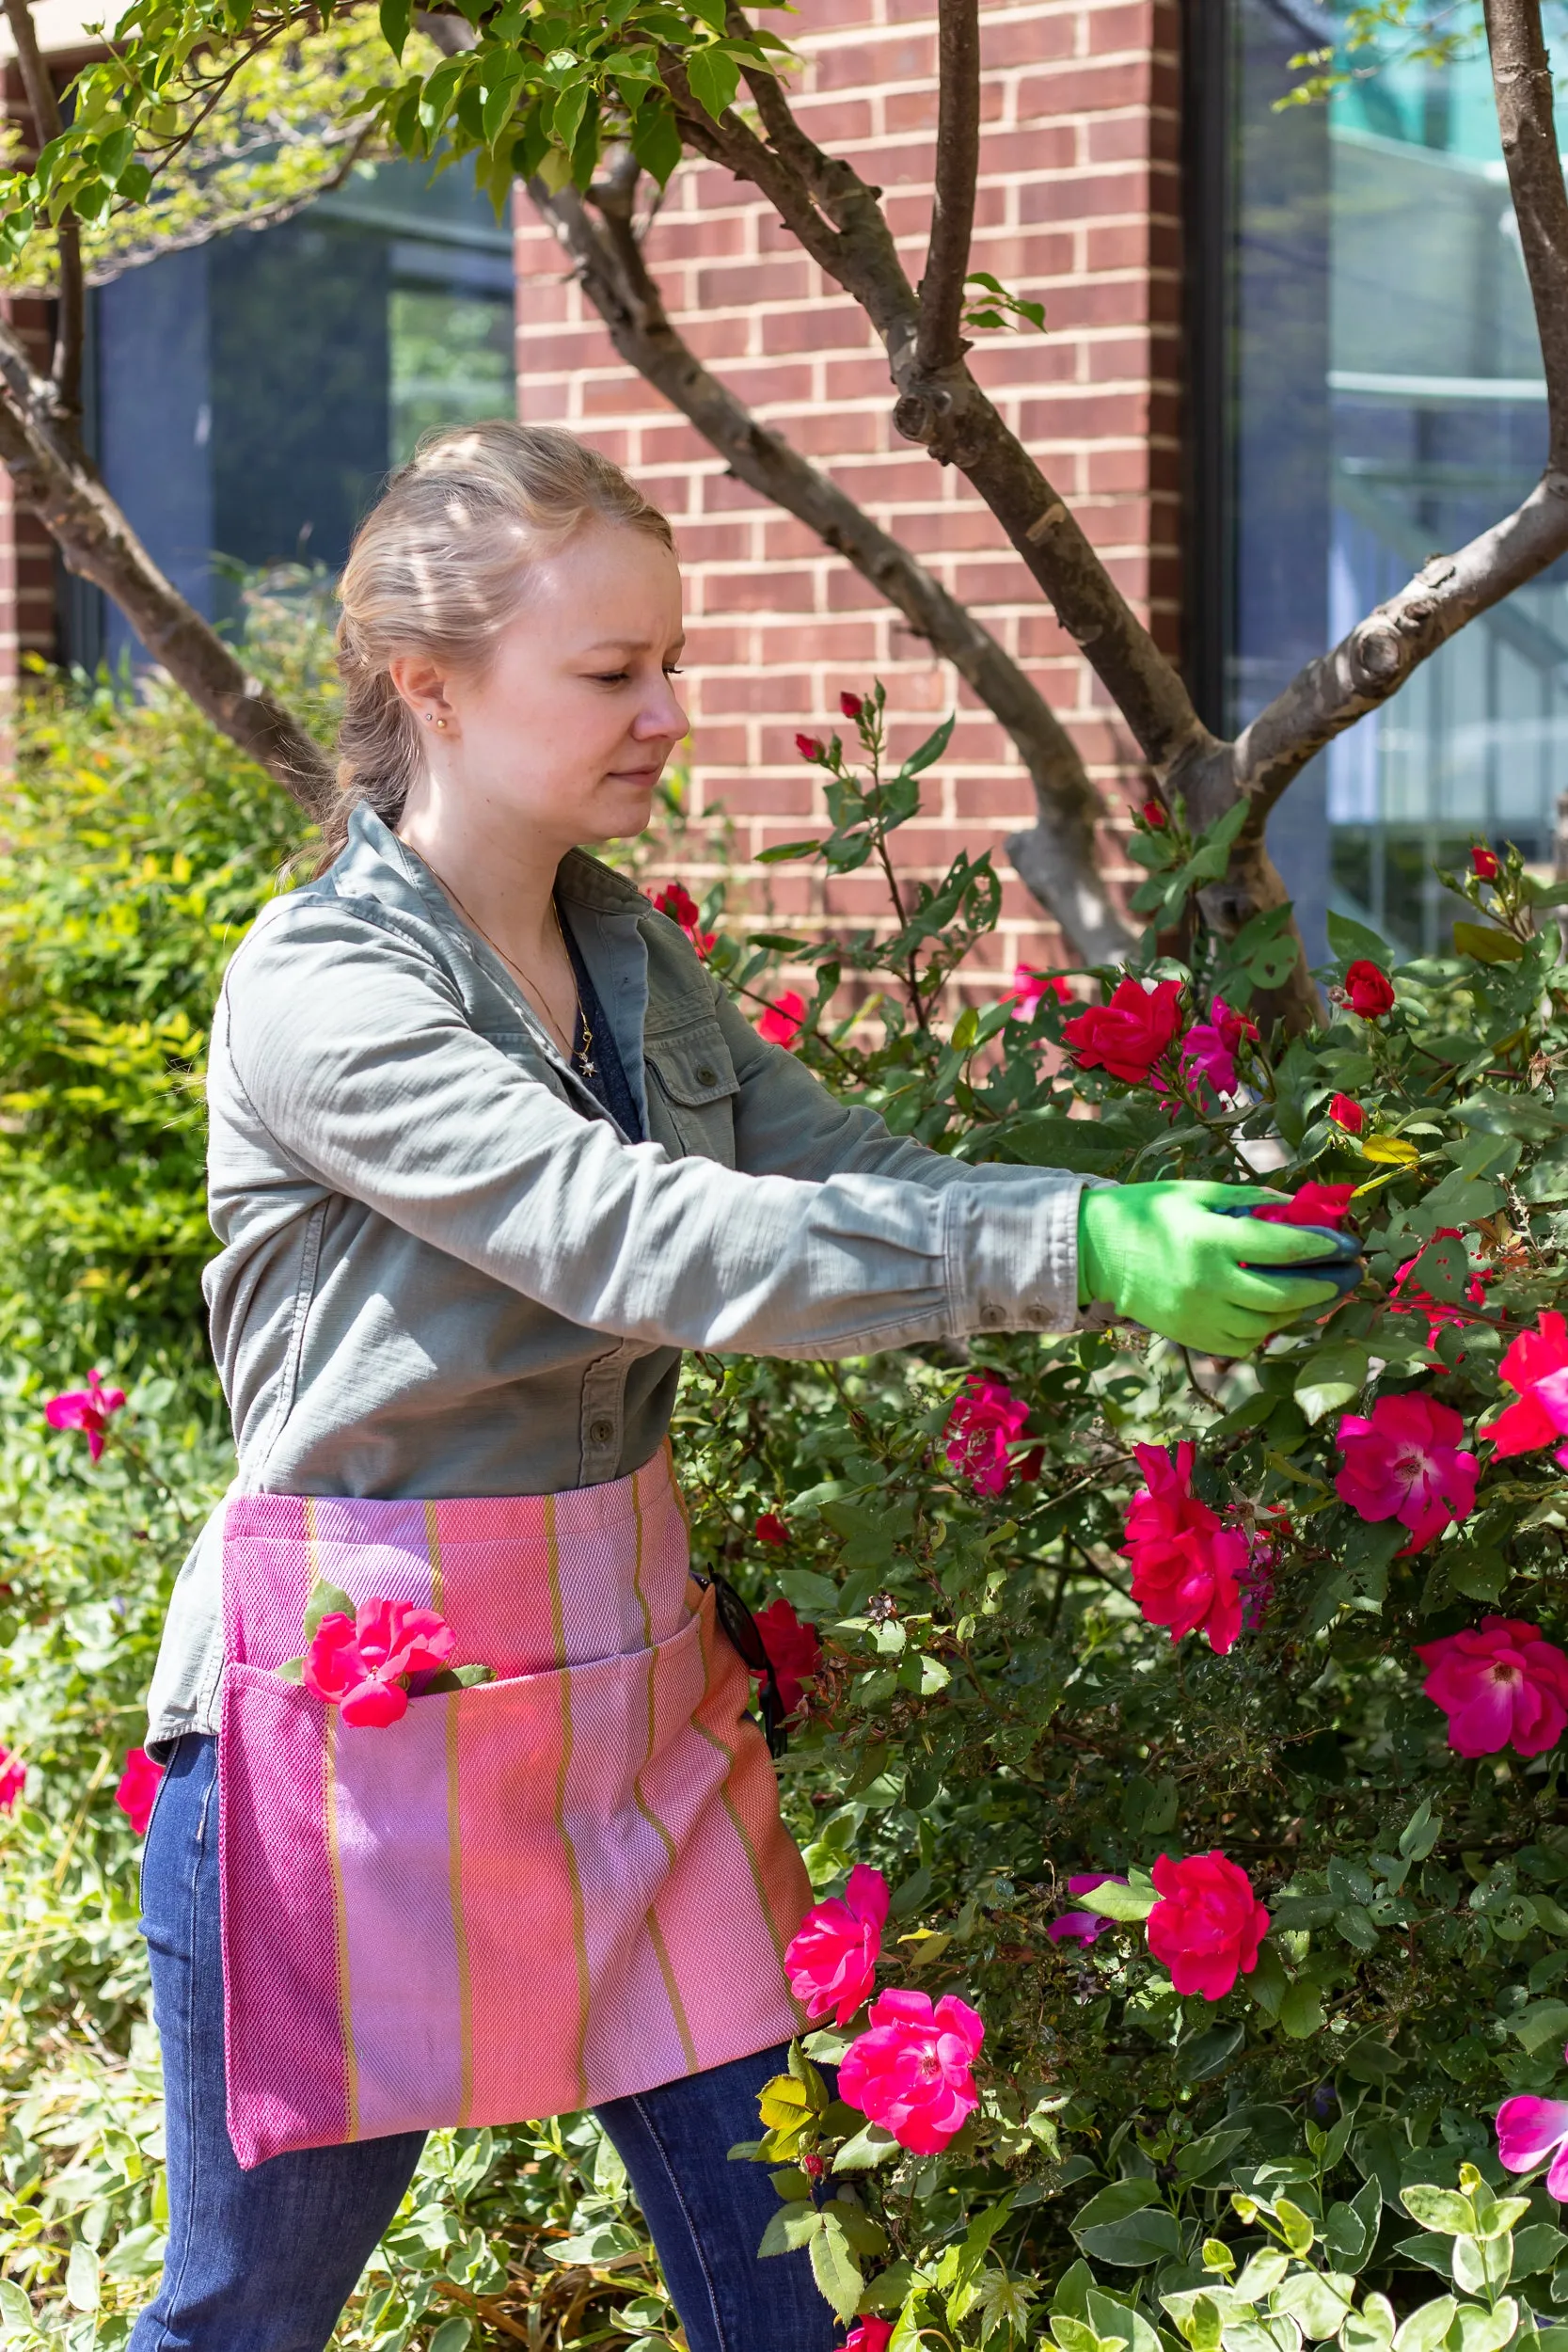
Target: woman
x,y
490,1148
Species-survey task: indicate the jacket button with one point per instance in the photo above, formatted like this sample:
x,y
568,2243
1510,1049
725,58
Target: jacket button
x,y
707,1077
601,1432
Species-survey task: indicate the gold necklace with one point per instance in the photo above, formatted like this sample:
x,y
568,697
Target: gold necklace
x,y
580,1055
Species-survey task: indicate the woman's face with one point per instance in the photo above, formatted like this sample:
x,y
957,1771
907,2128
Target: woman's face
x,y
567,731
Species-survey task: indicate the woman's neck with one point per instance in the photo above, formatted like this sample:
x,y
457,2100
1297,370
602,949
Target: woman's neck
x,y
499,870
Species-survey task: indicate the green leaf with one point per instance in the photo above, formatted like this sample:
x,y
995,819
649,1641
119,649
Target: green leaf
x,y
1538,2023
1201,2157
1351,941
1126,2225
1536,2248
1301,2012
82,2289
1133,1901
1330,1376
16,2308
1079,1145
931,750
835,2263
327,1600
1205,2054
454,2335
869,2147
1370,2330
715,76
1299,2234
397,16
793,2226
1486,944
1319,2306
1441,2209
1421,1833
1427,2326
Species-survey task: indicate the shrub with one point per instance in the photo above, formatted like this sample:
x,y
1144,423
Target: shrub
x,y
1220,2101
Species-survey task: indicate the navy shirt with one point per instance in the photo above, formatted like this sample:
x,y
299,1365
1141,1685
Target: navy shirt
x,y
602,1071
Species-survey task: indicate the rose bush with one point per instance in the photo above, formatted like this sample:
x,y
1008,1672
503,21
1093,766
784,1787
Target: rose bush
x,y
1327,2146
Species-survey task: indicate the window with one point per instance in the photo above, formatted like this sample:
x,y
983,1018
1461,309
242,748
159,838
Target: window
x,y
249,397
1381,400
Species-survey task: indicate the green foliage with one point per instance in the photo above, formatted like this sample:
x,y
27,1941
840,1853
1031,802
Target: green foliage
x,y
1309,2155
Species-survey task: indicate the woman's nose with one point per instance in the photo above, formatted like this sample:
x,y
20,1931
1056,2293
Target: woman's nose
x,y
662,713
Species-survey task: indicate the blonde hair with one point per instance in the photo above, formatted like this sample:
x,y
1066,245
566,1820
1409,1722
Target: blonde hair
x,y
439,566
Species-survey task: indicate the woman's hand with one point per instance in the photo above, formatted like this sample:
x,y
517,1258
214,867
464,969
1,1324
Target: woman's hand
x,y
1166,1257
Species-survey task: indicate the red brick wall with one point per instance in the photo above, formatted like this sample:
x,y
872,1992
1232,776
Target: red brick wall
x,y
1079,206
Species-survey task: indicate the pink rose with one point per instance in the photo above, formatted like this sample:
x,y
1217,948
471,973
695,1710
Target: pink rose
x,y
1536,1366
361,1663
1310,1204
13,1780
86,1409
1128,1036
139,1786
780,1023
1186,1564
1528,2130
985,1420
1030,987
1368,989
831,1962
1210,1046
1083,1927
1208,1924
1404,1462
1502,1684
869,2335
911,2071
794,1649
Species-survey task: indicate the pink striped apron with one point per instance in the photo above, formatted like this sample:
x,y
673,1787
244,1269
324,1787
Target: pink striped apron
x,y
552,1889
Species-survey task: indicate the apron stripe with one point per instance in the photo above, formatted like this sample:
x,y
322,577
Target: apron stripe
x,y
340,1917
452,1710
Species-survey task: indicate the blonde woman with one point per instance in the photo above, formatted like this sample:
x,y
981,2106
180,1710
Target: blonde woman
x,y
494,1836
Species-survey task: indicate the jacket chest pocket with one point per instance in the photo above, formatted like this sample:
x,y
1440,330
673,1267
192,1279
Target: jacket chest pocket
x,y
696,1092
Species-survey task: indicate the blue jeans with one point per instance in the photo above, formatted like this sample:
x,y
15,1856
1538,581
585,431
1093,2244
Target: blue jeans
x,y
264,2261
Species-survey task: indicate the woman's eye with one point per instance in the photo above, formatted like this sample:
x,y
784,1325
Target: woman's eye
x,y
674,669
610,677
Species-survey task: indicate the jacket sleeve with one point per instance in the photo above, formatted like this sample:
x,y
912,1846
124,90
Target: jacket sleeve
x,y
347,1047
787,1123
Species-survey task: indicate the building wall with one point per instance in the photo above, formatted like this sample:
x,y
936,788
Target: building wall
x,y
1079,207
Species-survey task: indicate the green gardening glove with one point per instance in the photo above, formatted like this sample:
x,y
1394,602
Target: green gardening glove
x,y
1163,1256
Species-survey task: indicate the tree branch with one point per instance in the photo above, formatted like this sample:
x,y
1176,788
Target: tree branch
x,y
1522,85
71,319
1056,860
51,473
939,342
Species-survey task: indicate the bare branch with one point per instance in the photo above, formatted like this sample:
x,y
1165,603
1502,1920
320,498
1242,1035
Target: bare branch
x,y
1058,860
1522,84
940,341
1380,653
51,475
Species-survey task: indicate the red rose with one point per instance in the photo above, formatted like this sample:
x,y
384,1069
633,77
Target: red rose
x,y
808,747
1208,1924
770,1529
139,1786
1486,864
1312,1204
1131,1033
1154,817
793,1647
852,706
1348,1115
1369,990
678,904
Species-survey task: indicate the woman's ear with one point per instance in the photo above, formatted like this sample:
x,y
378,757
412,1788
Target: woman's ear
x,y
422,686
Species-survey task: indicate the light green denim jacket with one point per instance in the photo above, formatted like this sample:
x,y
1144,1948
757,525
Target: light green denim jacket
x,y
445,1271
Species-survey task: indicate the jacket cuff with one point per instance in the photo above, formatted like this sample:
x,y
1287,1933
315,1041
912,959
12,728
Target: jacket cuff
x,y
1012,1256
